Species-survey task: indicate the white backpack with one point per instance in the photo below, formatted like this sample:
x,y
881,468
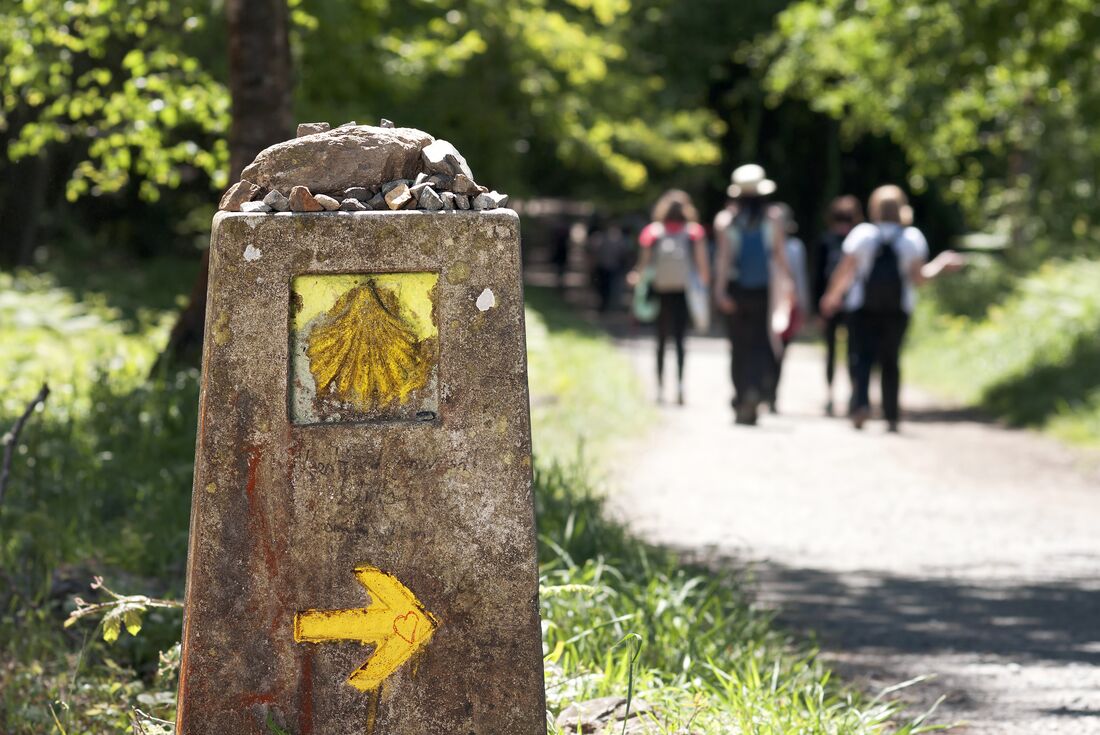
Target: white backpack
x,y
671,261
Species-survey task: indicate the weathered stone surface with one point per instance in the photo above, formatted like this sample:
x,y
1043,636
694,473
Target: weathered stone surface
x,y
327,202
421,178
400,197
277,201
255,207
448,198
339,159
385,123
352,205
311,128
462,184
348,124
606,715
361,193
443,158
283,512
238,194
378,203
429,200
462,201
302,201
490,200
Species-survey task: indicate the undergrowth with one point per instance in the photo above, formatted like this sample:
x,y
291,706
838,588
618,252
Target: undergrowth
x,y
1022,345
102,484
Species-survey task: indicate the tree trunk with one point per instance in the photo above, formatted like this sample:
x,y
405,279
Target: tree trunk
x,y
261,89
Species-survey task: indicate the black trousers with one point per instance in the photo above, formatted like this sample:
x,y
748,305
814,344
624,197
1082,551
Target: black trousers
x,y
672,321
876,339
753,366
832,325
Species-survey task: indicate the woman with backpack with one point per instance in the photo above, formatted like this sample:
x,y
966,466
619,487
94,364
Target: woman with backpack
x,y
752,286
673,252
884,261
845,213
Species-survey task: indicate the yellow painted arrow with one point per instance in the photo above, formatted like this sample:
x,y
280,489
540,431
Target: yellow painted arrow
x,y
394,621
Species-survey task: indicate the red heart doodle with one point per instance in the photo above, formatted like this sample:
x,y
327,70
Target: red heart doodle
x,y
405,626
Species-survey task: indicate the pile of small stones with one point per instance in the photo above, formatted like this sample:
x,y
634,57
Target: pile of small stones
x,y
443,182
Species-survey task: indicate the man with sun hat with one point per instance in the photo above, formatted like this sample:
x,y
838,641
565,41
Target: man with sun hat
x,y
752,286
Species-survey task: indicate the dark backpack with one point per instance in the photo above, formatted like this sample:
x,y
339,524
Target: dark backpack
x,y
882,291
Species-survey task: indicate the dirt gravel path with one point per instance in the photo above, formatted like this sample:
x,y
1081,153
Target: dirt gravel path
x,y
957,548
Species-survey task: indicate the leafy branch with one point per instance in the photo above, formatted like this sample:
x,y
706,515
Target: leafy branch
x,y
118,611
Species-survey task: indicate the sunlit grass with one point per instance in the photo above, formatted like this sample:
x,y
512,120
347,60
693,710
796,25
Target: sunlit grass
x,y
1024,347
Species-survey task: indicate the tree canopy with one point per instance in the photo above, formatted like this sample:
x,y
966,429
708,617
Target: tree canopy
x,y
121,85
995,99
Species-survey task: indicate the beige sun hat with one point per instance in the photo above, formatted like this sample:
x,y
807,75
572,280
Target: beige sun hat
x,y
750,181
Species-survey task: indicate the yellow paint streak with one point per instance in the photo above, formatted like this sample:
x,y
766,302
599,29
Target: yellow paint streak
x,y
395,622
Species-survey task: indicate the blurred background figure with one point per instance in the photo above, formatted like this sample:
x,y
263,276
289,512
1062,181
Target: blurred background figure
x,y
800,307
610,252
752,284
673,250
561,234
875,283
845,212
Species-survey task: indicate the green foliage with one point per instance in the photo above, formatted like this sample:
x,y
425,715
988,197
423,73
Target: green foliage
x,y
996,100
115,81
105,467
1023,346
521,87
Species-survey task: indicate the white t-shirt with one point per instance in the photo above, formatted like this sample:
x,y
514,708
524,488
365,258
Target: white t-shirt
x,y
863,243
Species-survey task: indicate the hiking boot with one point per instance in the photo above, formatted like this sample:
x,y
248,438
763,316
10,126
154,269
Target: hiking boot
x,y
746,410
859,417
892,428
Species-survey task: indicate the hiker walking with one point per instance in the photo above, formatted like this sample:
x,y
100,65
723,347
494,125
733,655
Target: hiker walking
x,y
800,304
673,253
875,283
845,212
752,286
609,252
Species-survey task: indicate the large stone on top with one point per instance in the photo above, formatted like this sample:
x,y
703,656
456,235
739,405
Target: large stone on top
x,y
335,160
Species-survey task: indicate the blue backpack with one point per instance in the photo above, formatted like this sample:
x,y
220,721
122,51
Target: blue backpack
x,y
751,244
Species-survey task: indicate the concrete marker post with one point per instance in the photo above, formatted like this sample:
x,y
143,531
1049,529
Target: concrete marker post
x,y
363,553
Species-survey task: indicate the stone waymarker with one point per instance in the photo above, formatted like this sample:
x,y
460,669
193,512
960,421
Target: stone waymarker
x,y
362,554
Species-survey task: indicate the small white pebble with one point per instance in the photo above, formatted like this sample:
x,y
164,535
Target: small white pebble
x,y
252,253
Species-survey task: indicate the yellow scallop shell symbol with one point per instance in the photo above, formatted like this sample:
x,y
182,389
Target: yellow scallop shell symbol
x,y
365,352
